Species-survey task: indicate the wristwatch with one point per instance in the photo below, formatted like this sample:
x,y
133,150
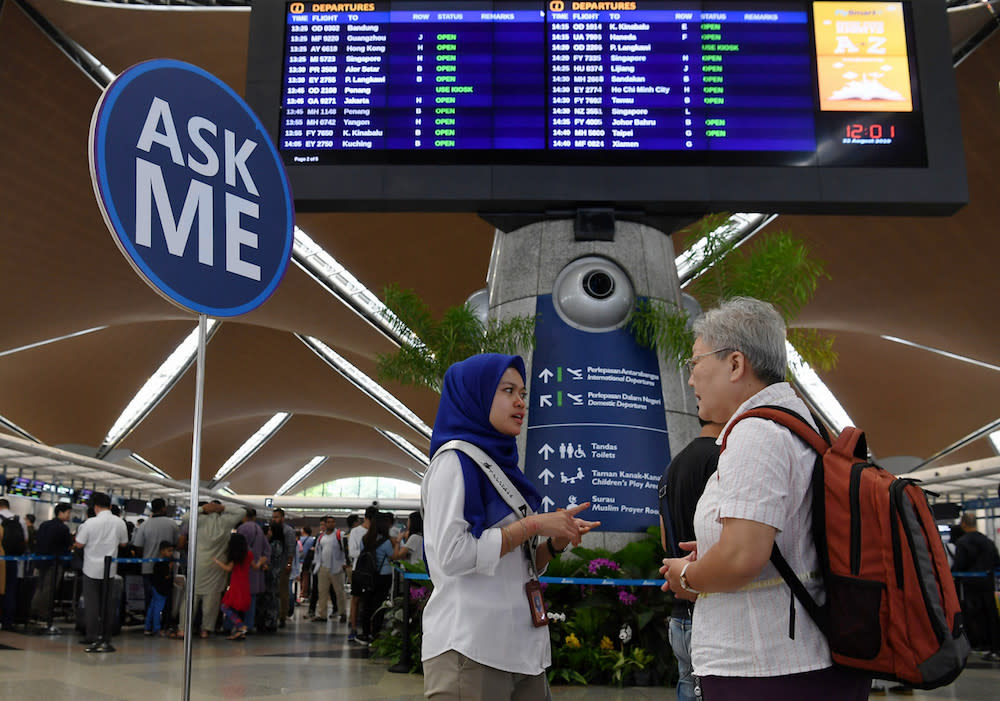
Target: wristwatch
x,y
553,550
684,580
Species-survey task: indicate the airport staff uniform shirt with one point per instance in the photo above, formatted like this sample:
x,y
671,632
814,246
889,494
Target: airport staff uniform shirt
x,y
478,607
101,536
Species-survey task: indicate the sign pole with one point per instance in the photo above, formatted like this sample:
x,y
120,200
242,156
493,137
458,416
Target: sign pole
x,y
199,398
244,208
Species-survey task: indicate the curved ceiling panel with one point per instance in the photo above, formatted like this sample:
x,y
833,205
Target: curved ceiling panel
x,y
931,281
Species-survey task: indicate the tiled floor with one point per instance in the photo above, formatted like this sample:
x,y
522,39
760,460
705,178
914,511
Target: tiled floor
x,y
308,661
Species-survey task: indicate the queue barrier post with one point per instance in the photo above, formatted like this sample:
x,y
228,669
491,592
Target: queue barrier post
x,y
406,656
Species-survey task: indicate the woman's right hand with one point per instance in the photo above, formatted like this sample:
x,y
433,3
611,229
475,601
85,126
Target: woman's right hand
x,y
563,524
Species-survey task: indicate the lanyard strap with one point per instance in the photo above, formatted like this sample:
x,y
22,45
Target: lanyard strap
x,y
505,489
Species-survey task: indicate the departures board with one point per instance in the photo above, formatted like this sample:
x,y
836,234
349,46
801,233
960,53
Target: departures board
x,y
484,89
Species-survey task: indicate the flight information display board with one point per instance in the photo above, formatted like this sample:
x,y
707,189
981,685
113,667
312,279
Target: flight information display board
x,y
800,84
24,487
709,82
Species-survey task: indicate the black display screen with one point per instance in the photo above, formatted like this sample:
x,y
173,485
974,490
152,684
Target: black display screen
x,y
803,85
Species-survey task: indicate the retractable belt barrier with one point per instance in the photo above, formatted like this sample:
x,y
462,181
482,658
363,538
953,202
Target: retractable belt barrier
x,y
592,581
67,558
604,582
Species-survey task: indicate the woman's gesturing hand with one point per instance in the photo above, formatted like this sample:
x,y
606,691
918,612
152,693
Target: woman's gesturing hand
x,y
563,526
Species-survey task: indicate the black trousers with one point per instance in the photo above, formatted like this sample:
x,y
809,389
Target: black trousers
x,y
982,623
48,585
371,622
97,625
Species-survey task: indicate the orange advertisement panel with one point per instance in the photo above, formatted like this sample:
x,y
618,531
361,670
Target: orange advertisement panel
x,y
861,57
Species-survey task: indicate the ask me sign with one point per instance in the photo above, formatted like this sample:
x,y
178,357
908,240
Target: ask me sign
x,y
191,187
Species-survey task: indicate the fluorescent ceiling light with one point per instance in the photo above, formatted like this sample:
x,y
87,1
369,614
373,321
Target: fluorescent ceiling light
x,y
817,392
51,340
953,356
366,384
738,228
408,448
155,389
338,280
17,430
251,445
995,441
301,474
150,466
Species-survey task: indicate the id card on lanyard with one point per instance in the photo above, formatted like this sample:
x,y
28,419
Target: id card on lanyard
x,y
500,481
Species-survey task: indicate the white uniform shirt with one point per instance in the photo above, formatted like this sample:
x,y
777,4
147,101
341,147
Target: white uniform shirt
x,y
764,476
478,607
101,536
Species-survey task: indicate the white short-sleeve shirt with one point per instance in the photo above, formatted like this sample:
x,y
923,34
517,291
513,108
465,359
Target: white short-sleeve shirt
x,y
764,475
101,536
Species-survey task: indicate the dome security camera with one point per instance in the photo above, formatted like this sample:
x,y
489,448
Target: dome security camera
x,y
593,294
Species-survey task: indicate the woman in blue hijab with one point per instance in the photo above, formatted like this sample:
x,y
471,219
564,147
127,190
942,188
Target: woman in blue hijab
x,y
483,638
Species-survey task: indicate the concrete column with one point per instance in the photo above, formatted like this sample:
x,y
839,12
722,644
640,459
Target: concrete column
x,y
526,263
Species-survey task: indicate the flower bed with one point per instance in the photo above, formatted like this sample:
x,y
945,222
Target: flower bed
x,y
600,634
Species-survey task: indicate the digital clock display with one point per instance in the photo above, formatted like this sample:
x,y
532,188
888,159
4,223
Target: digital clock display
x,y
627,82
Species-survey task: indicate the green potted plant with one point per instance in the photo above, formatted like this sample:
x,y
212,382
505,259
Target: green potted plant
x,y
774,266
457,335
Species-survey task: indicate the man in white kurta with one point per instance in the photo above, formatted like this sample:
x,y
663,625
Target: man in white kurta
x,y
215,524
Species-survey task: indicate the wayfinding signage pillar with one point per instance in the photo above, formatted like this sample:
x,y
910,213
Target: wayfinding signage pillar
x,y
597,431
605,415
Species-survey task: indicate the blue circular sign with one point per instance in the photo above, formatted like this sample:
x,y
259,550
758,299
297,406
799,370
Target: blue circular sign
x,y
191,187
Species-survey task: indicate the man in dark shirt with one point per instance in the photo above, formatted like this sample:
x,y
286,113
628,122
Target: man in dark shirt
x,y
53,538
974,552
681,487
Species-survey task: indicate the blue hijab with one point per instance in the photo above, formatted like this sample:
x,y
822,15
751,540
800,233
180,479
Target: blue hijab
x,y
464,414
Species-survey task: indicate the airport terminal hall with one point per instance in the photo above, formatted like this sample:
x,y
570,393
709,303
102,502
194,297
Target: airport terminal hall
x,y
499,350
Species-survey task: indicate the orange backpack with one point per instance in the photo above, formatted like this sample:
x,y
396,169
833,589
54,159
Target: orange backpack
x,y
891,608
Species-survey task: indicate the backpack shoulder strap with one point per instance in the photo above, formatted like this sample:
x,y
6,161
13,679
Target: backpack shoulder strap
x,y
790,420
819,442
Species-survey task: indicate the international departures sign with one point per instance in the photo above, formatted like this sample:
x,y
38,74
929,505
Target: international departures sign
x,y
597,430
191,187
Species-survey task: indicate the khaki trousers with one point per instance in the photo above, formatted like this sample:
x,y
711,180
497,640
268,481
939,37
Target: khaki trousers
x,y
324,580
451,676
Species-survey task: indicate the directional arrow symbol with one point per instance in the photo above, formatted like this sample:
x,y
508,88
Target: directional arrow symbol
x,y
545,451
545,475
546,502
545,375
545,400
